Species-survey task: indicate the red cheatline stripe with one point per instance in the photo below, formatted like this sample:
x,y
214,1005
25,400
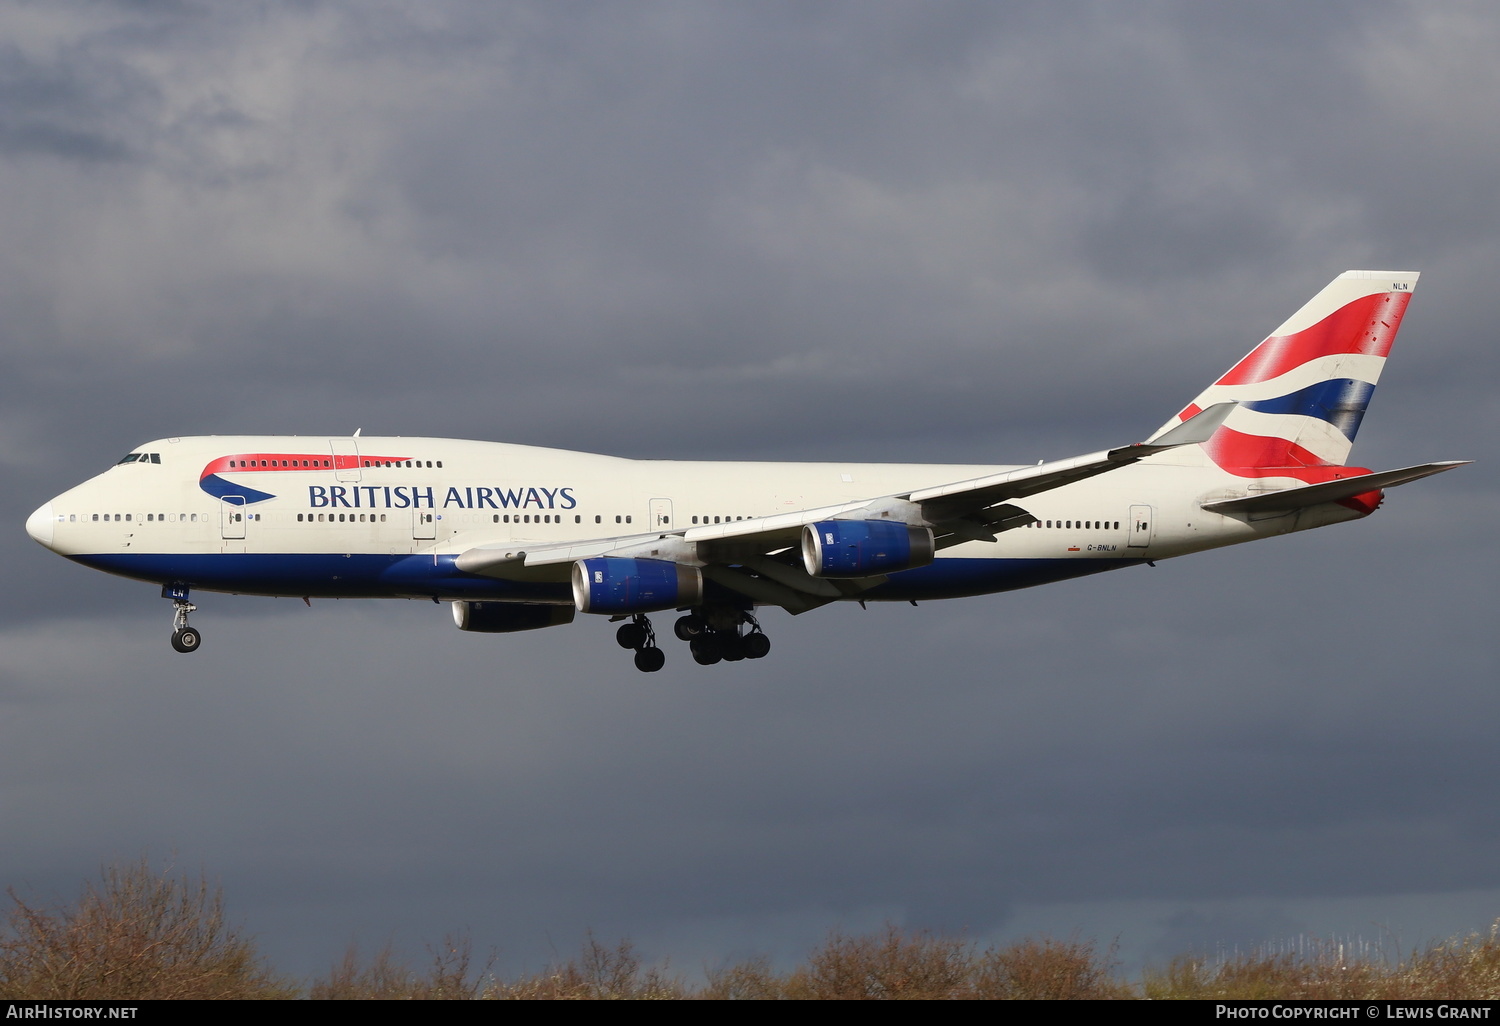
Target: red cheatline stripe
x,y
248,462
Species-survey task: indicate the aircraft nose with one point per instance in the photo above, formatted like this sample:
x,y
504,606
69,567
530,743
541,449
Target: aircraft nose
x,y
39,525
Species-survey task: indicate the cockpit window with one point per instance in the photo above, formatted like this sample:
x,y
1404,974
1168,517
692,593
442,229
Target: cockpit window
x,y
141,457
130,459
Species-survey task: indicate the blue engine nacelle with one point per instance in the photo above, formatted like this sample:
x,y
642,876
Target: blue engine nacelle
x,y
509,617
864,548
613,584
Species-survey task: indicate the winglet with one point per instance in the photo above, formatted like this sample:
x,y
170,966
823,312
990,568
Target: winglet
x,y
1198,428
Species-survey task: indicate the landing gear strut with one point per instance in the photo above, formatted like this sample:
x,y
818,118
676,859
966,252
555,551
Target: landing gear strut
x,y
641,636
184,637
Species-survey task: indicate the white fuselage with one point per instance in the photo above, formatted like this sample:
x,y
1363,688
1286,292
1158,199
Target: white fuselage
x,y
311,516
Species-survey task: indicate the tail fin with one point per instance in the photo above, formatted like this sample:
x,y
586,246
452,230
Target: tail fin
x,y
1303,391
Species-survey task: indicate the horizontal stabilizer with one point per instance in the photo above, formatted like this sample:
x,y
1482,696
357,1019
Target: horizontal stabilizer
x,y
1302,497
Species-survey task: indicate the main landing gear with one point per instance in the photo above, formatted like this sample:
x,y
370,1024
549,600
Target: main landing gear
x,y
639,635
713,635
184,637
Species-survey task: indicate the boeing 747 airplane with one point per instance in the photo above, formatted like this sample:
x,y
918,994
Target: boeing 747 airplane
x,y
518,538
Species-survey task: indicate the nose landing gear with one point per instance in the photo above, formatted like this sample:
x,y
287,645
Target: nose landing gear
x,y
184,637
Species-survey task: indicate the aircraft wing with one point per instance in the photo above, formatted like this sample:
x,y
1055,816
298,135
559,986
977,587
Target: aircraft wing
x,y
750,556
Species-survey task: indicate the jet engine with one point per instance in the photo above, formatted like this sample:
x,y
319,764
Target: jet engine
x,y
509,617
614,584
864,548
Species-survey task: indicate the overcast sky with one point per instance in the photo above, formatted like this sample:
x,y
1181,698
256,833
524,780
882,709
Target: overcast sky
x,y
949,232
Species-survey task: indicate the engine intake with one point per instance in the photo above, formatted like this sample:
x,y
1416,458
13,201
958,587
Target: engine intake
x,y
509,617
864,548
614,584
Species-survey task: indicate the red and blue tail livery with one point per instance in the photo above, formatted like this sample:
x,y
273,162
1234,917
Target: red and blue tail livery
x,y
521,538
1301,394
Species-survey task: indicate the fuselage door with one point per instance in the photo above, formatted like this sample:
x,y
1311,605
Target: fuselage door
x,y
423,524
661,514
1141,519
232,516
345,458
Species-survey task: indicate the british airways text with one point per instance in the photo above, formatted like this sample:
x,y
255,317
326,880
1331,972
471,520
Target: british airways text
x,y
412,497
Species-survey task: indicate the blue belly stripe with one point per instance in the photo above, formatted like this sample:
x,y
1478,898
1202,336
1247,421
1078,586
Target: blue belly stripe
x,y
369,575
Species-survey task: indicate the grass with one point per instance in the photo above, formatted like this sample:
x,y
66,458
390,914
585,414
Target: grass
x,y
141,934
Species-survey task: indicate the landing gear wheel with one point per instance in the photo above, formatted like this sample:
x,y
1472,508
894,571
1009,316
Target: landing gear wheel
x,y
649,660
688,627
705,649
733,647
756,645
184,638
631,635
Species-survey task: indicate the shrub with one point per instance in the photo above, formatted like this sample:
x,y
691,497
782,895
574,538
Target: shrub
x,y
600,973
135,934
386,979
